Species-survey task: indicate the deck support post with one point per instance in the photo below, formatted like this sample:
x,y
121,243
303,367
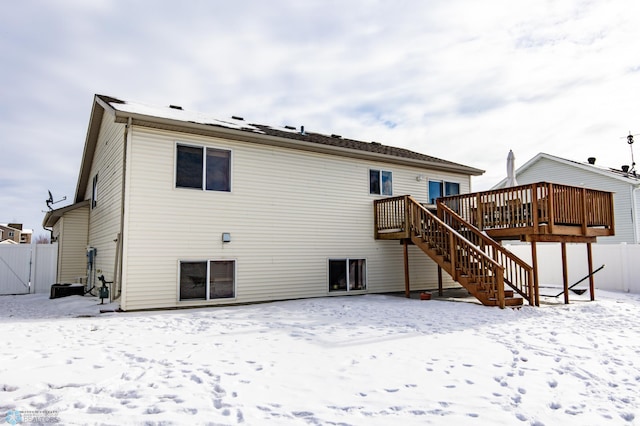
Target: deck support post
x,y
590,264
565,273
536,284
440,292
407,288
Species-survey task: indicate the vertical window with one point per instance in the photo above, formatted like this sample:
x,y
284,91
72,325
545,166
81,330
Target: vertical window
x,y
451,188
193,280
380,182
189,167
94,192
435,191
347,274
218,170
439,189
222,281
200,169
206,280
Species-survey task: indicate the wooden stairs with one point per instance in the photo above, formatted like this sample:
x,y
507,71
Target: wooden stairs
x,y
477,262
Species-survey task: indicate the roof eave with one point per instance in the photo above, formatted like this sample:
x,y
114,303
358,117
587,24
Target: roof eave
x,y
95,120
52,216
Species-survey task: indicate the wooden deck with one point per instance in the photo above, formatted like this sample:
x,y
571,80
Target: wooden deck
x,y
543,212
462,236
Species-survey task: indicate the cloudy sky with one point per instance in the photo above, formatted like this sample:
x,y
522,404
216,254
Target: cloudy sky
x,y
461,80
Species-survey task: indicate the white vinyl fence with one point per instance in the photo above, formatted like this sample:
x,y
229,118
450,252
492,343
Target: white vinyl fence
x,y
621,271
27,268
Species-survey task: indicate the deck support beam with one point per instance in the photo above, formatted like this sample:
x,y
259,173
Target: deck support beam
x,y
534,260
592,292
407,287
565,273
440,290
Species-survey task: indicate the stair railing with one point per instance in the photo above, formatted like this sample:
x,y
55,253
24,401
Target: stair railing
x,y
517,273
464,257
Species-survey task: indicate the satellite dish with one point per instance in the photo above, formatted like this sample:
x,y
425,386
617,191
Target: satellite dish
x,y
50,201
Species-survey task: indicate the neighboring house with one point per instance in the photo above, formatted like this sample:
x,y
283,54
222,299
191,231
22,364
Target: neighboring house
x,y
624,184
15,232
181,209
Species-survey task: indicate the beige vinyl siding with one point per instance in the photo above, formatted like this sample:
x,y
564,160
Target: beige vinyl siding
x,y
71,231
288,213
104,218
545,170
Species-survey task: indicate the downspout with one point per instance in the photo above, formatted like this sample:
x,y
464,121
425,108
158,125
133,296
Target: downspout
x,y
120,238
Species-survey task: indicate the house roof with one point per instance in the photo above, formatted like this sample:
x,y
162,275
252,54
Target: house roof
x,y
629,178
177,119
52,216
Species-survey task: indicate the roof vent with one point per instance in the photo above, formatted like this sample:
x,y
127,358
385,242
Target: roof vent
x,y
302,130
591,160
625,168
235,117
289,127
336,136
376,143
176,107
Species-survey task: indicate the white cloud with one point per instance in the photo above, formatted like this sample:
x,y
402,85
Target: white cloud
x,y
465,81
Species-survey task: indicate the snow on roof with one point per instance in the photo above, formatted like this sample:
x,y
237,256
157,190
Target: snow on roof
x,y
177,113
174,112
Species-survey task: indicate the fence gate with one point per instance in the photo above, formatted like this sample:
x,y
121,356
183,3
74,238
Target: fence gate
x,y
27,268
15,268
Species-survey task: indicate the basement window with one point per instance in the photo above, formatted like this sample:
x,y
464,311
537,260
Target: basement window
x,y
380,182
207,280
203,168
347,275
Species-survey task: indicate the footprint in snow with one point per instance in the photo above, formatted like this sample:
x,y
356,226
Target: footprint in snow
x,y
629,417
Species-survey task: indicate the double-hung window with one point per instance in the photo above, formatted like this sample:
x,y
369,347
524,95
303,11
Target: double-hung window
x,y
347,274
380,182
203,168
439,189
207,280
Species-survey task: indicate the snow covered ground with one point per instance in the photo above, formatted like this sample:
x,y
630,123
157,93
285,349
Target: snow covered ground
x,y
365,360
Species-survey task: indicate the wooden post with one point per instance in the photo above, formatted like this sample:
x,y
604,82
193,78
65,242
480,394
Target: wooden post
x,y
551,207
452,255
536,284
440,292
565,273
592,292
479,213
533,214
500,285
583,206
407,289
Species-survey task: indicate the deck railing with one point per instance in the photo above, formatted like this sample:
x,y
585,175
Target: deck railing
x,y
534,205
